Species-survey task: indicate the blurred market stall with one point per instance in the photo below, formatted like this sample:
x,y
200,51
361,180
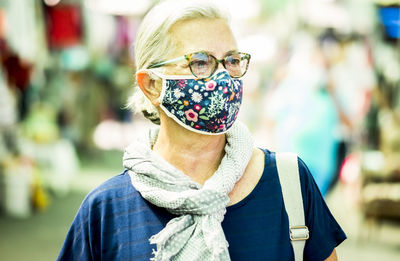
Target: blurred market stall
x,y
324,82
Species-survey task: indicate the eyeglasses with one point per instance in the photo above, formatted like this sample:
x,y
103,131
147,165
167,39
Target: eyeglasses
x,y
204,65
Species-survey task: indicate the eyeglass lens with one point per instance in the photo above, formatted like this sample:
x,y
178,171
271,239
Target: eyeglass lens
x,y
204,65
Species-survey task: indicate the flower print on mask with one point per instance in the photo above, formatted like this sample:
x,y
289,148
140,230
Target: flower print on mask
x,y
191,115
181,84
197,97
197,107
206,106
210,85
178,94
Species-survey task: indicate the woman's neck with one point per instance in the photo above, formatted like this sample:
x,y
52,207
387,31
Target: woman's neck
x,y
196,155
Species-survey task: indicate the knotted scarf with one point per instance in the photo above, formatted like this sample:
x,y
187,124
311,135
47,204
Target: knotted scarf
x,y
196,234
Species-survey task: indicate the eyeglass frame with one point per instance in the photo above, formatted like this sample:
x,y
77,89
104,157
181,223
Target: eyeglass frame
x,y
187,57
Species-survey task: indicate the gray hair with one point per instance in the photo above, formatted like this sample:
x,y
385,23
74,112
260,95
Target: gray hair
x,y
154,44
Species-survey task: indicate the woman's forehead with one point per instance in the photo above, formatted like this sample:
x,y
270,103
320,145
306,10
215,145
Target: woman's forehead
x,y
203,34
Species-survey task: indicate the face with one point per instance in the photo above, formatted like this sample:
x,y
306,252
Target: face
x,y
211,35
190,109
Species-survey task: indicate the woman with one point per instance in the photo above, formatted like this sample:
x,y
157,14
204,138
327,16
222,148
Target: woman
x,y
195,188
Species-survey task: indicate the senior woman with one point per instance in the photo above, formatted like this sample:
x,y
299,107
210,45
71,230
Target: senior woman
x,y
195,188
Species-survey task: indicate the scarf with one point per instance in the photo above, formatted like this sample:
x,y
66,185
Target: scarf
x,y
196,234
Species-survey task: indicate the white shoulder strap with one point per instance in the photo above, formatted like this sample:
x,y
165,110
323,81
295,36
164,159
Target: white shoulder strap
x,y
289,178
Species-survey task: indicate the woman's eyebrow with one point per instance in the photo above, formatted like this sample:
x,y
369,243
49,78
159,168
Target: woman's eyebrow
x,y
227,53
231,52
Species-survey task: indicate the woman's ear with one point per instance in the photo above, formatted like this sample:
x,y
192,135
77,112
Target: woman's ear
x,y
148,86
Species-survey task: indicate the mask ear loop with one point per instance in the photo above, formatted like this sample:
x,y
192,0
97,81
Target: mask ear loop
x,y
153,75
172,76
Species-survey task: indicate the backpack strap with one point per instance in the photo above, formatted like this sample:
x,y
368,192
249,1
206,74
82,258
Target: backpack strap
x,y
288,172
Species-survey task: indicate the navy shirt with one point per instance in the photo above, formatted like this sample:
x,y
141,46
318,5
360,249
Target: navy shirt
x,y
115,223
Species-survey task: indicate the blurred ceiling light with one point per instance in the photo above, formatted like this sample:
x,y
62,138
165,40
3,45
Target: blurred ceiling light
x,y
120,7
325,14
51,2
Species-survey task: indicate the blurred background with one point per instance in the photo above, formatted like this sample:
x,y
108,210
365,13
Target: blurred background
x,y
324,81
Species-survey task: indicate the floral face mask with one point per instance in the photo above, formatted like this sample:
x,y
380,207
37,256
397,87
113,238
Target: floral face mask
x,y
207,106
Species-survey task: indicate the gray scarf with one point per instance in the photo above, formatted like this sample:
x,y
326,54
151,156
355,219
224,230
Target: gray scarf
x,y
196,234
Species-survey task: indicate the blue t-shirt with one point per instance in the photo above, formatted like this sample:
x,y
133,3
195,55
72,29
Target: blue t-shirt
x,y
114,222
